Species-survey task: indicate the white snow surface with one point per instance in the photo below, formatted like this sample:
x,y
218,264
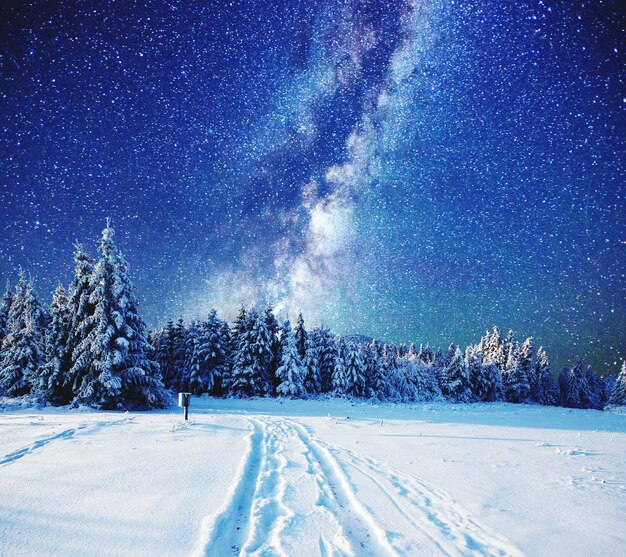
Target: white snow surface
x,y
302,478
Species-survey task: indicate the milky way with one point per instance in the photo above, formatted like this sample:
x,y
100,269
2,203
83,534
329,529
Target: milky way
x,y
415,171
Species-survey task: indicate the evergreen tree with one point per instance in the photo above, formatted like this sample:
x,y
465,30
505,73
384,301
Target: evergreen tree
x,y
618,394
274,357
23,347
354,371
327,355
515,380
300,332
119,375
196,379
250,368
569,386
54,384
213,352
290,372
229,358
543,388
457,386
81,312
313,378
340,380
5,306
374,371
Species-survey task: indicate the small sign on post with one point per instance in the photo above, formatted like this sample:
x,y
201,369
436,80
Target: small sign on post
x,y
183,402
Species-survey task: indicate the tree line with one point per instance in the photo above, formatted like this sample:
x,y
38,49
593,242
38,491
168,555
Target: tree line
x,y
91,347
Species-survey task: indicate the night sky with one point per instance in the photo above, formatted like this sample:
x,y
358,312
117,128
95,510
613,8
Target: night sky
x,y
415,171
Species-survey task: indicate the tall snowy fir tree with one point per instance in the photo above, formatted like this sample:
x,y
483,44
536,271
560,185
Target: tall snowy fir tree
x,y
457,384
545,389
290,372
194,380
274,357
81,312
54,381
354,370
326,353
119,375
249,376
300,333
22,351
213,350
339,378
618,394
311,363
5,306
515,380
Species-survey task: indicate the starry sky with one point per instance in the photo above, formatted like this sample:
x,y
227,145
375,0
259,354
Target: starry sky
x,y
413,170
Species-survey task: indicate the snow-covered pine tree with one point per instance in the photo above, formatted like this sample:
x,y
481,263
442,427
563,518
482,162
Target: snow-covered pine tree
x,y
22,351
340,380
374,371
229,358
81,314
290,371
568,389
119,373
457,386
515,380
213,352
618,394
545,389
327,354
195,380
300,333
54,382
590,387
5,306
311,364
354,370
492,348
273,331
179,356
526,361
250,368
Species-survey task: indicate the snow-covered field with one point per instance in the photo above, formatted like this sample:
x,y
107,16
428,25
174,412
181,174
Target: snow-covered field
x,y
265,477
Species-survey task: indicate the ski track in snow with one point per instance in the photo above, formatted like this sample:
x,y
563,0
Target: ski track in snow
x,y
290,498
65,434
429,510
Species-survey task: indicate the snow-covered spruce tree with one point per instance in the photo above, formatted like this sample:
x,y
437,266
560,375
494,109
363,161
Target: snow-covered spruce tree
x,y
198,379
374,371
480,384
273,331
213,353
590,390
22,351
492,348
618,394
340,380
311,364
5,306
526,361
81,315
54,383
249,377
425,384
457,386
354,370
327,354
290,371
301,335
515,380
568,389
546,390
119,373
229,357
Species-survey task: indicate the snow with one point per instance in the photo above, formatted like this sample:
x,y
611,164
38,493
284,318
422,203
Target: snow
x,y
326,477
